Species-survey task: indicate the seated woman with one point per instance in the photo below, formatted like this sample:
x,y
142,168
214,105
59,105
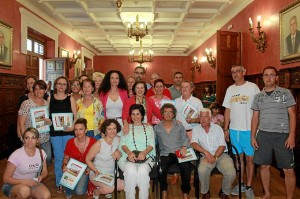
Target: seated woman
x,y
208,97
102,155
216,117
26,168
172,137
77,148
138,154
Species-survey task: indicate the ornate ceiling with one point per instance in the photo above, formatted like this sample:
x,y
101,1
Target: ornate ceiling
x,y
176,27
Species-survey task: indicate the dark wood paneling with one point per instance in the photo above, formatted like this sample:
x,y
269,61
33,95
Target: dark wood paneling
x,y
11,88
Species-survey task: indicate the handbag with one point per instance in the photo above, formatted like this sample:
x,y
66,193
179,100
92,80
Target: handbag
x,y
137,152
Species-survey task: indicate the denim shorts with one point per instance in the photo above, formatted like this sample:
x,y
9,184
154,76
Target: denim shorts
x,y
6,188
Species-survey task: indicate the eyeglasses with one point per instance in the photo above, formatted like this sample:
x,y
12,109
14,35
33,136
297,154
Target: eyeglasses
x,y
75,85
168,112
139,73
237,71
269,75
61,84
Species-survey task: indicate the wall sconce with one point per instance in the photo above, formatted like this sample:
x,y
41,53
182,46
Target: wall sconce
x,y
210,59
119,3
260,41
73,60
196,64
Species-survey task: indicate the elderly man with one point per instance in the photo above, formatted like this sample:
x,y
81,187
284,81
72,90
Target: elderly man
x,y
208,139
172,137
275,117
175,89
188,107
3,49
293,39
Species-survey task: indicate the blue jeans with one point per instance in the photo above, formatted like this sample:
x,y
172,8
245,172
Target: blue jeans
x,y
59,145
80,188
90,133
46,146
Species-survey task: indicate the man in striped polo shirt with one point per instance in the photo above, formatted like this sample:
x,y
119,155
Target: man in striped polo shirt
x,y
274,115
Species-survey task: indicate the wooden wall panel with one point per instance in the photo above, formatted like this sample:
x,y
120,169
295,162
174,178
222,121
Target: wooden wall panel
x,y
11,88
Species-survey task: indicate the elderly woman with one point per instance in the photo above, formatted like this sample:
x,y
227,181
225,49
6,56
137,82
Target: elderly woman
x,y
102,155
39,89
159,87
26,168
140,89
90,108
97,78
77,148
130,82
172,137
61,102
75,89
113,94
138,154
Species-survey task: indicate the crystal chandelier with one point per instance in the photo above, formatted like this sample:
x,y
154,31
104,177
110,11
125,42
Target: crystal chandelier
x,y
139,31
142,56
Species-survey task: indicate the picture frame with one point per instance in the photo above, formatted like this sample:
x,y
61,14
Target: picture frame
x,y
289,46
6,45
59,65
61,121
50,65
63,52
71,177
38,116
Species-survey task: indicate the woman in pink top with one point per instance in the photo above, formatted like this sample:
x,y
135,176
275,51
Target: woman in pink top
x,y
113,94
26,168
139,91
159,86
216,118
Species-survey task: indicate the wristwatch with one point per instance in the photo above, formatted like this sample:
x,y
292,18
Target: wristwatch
x,y
215,156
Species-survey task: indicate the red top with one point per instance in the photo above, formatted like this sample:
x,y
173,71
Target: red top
x,y
166,92
72,151
150,106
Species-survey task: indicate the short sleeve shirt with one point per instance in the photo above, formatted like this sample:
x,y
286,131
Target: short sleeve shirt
x,y
273,109
239,100
210,141
27,167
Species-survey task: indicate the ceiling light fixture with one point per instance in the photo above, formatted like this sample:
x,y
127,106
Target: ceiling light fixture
x,y
139,31
142,57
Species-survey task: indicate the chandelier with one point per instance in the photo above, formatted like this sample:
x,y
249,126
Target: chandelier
x,y
139,31
142,56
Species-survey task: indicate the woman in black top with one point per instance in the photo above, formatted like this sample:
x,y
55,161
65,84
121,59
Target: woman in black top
x,y
61,102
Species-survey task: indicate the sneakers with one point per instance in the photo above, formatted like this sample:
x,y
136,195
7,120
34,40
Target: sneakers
x,y
108,195
235,190
249,193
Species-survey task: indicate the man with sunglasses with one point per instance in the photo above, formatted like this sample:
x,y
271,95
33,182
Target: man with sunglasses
x,y
237,123
275,118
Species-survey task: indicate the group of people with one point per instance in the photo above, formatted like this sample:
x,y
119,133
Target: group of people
x,y
128,119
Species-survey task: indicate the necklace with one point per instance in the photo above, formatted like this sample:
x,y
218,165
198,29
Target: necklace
x,y
134,138
80,148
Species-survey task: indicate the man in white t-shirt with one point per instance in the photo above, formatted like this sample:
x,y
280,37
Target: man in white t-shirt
x,y
238,113
188,107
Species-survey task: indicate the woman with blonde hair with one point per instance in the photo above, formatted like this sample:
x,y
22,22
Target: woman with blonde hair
x,y
98,78
25,169
75,89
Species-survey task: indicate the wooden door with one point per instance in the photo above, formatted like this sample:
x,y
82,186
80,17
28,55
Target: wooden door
x,y
228,54
32,65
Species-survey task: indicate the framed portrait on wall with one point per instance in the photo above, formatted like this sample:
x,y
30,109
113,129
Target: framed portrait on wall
x,y
6,36
290,33
63,52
